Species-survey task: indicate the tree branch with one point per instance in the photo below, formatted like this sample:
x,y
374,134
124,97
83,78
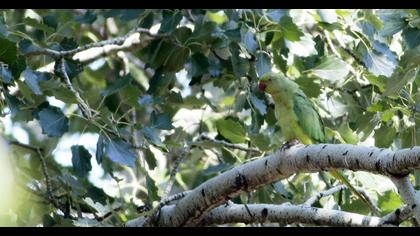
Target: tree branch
x,y
282,164
115,41
25,146
408,194
229,145
399,215
288,214
84,107
338,188
283,214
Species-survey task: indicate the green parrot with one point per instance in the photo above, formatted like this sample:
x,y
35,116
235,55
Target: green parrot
x,y
297,116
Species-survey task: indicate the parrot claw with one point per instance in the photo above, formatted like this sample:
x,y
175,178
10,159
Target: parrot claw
x,y
290,144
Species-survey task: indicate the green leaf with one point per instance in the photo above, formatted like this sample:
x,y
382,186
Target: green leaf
x,y
131,14
64,94
100,150
117,86
170,21
199,65
290,30
380,60
182,34
411,58
48,221
150,158
218,17
411,37
88,18
17,66
81,160
395,84
152,190
34,23
263,64
347,134
97,195
68,43
389,201
151,135
120,152
5,74
240,65
161,121
379,81
305,47
53,121
367,123
231,130
50,20
160,82
309,87
130,95
331,68
176,59
384,136
261,140
9,56
3,31
26,46
33,78
249,42
276,14
393,21
13,103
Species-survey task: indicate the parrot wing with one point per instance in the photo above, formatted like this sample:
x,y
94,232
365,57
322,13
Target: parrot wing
x,y
308,117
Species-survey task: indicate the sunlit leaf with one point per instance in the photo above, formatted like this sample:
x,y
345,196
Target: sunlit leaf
x,y
331,68
232,130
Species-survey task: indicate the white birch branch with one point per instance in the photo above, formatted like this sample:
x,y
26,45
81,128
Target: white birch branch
x,y
265,213
399,215
99,50
408,194
282,164
287,214
312,200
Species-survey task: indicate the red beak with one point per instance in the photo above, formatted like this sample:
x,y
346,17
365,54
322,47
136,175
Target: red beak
x,y
262,86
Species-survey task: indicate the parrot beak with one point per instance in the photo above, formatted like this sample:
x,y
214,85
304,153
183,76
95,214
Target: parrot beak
x,y
262,86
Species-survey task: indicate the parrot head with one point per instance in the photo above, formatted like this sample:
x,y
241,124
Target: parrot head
x,y
274,83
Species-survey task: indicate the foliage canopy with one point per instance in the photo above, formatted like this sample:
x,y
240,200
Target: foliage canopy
x,y
194,72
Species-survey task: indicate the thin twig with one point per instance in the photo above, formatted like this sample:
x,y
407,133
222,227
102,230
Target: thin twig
x,y
26,146
175,168
44,167
229,145
115,41
338,188
153,218
84,107
47,179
